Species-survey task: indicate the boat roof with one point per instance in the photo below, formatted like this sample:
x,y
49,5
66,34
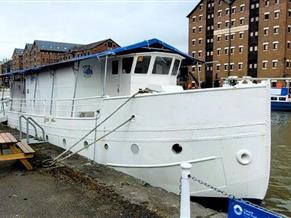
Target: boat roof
x,y
144,46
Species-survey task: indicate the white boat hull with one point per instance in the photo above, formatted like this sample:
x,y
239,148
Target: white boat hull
x,y
224,133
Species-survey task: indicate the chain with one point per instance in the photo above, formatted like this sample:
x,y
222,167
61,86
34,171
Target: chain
x,y
201,182
213,188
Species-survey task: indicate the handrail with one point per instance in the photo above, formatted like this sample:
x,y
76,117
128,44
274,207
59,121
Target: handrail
x,y
27,128
39,126
33,123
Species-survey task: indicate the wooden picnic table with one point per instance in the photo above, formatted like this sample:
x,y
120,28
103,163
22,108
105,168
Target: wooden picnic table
x,y
18,150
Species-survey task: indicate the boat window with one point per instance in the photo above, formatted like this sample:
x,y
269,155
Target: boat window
x,y
273,98
114,67
162,65
282,99
142,64
126,64
175,68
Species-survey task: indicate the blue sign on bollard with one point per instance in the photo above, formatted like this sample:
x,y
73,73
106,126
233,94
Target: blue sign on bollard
x,y
241,209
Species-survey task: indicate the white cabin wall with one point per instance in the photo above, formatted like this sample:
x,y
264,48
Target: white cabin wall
x,y
18,89
88,86
64,83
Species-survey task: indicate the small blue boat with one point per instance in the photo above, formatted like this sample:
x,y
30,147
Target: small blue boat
x,y
280,99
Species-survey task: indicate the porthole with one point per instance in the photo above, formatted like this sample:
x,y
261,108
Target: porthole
x,y
64,142
134,148
86,144
46,138
176,148
106,146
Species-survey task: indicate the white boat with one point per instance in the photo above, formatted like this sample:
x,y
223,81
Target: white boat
x,y
224,132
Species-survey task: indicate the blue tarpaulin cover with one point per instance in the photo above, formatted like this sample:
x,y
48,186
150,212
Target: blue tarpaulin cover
x,y
241,209
147,45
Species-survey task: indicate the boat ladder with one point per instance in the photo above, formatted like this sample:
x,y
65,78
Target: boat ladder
x,y
31,122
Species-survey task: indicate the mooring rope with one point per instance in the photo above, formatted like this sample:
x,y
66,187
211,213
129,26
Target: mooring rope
x,y
78,151
56,159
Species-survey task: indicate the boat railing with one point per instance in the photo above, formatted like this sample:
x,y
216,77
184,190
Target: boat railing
x,y
79,107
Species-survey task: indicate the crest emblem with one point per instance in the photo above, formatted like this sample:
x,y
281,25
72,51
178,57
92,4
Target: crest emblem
x,y
87,71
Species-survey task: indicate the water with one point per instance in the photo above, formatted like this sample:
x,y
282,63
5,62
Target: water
x,y
279,193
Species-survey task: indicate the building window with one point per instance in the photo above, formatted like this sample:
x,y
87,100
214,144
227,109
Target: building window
x,y
218,51
241,35
241,21
218,67
193,42
240,66
266,31
218,38
240,49
276,29
267,16
276,14
274,64
193,29
242,8
267,3
265,64
233,10
227,11
275,45
219,13
193,18
288,44
265,46
226,51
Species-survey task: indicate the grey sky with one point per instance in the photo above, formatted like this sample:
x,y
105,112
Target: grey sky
x,y
88,21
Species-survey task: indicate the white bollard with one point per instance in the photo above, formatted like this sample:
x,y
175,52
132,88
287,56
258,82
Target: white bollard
x,y
185,209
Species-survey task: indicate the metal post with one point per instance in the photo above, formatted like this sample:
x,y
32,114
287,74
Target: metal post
x,y
95,133
52,92
185,209
76,72
105,76
34,93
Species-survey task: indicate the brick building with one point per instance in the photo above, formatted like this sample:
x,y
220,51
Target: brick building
x,y
26,56
91,48
17,59
47,52
238,37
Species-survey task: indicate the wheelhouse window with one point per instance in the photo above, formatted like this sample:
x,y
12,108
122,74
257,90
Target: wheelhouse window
x,y
175,67
162,65
114,67
126,65
142,64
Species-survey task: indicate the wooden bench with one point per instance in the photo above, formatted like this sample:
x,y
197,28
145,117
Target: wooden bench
x,y
19,150
26,149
